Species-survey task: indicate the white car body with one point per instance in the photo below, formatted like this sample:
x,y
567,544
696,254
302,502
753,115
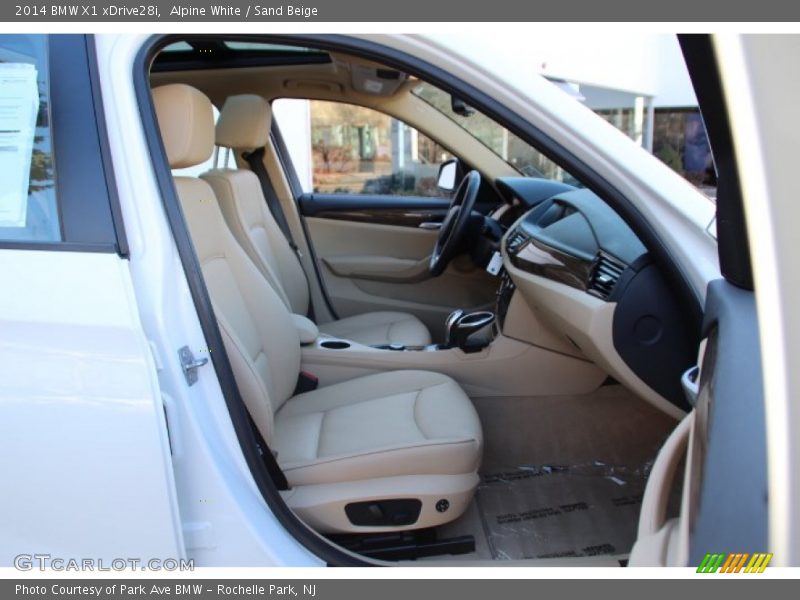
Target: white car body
x,y
95,337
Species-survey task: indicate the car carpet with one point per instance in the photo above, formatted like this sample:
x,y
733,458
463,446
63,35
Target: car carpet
x,y
570,446
552,511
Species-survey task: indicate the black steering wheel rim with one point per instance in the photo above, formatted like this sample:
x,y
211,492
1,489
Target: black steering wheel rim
x,y
454,225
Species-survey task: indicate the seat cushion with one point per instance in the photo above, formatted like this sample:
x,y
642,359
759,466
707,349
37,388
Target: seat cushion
x,y
384,425
378,328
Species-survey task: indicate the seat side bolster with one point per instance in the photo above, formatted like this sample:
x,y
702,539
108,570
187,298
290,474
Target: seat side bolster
x,y
254,394
432,457
234,210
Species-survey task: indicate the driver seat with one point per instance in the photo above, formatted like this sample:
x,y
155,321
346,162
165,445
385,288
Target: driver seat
x,y
244,125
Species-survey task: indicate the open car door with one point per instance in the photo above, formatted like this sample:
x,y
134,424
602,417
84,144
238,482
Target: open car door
x,y
739,508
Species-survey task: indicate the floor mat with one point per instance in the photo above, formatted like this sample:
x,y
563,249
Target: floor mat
x,y
547,511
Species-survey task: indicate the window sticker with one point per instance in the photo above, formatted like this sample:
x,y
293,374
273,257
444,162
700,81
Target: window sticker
x,y
19,106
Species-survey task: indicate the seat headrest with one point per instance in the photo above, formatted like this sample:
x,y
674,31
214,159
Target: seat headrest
x,y
186,120
244,122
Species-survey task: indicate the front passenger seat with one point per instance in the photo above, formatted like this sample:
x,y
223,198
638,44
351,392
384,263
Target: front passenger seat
x,y
244,125
386,452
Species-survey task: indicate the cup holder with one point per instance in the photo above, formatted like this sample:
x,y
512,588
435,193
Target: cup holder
x,y
480,318
335,345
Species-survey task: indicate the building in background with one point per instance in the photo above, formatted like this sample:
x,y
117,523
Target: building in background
x,y
639,83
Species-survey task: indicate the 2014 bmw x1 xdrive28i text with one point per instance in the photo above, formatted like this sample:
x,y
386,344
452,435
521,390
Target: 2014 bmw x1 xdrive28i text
x,y
355,300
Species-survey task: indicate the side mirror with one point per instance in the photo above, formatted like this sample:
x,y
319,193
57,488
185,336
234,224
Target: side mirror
x,y
448,175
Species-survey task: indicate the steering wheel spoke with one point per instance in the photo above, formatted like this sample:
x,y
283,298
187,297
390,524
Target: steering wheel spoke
x,y
454,225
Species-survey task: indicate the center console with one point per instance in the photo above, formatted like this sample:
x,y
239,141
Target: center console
x,y
477,352
470,332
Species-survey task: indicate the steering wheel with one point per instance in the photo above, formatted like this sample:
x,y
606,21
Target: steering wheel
x,y
454,224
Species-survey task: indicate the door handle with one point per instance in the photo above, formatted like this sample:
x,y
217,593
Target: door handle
x,y
430,225
690,381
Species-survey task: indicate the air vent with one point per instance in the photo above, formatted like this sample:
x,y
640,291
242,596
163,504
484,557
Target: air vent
x,y
604,276
515,241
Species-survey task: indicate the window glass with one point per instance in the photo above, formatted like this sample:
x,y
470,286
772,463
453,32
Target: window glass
x,y
680,140
275,48
350,149
517,153
28,205
184,46
178,47
641,86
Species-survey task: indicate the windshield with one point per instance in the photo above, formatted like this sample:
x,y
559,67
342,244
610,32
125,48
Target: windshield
x,y
517,153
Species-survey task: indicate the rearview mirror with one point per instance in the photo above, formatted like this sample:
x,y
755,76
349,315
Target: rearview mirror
x,y
448,172
458,106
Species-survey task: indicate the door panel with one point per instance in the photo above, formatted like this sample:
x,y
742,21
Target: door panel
x,y
403,211
727,480
368,266
726,502
374,214
83,435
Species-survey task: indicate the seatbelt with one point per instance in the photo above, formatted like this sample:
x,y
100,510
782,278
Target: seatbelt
x,y
256,161
270,459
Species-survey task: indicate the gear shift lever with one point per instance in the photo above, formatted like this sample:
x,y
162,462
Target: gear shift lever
x,y
460,326
449,324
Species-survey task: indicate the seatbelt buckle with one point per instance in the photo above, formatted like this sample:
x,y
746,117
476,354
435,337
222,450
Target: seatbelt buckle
x,y
306,382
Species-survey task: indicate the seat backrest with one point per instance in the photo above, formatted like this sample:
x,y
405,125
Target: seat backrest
x,y
243,126
259,336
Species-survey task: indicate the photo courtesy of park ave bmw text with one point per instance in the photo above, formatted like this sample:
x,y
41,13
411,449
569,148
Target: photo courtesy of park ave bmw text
x,y
471,293
159,590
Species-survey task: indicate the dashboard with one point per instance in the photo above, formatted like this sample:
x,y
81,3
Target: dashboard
x,y
587,275
576,239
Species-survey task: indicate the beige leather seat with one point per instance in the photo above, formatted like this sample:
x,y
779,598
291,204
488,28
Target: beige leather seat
x,y
244,125
402,435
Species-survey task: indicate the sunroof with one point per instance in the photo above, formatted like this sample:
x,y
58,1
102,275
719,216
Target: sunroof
x,y
177,47
216,52
260,46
